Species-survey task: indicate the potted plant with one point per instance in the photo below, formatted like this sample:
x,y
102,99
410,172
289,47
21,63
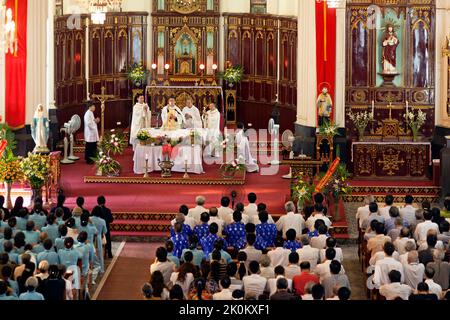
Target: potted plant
x,y
361,120
138,74
35,169
415,122
233,75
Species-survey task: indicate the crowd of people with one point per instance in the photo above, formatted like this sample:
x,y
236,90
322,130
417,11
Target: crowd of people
x,y
55,255
241,253
406,251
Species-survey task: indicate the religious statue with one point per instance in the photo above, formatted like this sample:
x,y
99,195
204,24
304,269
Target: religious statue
x,y
142,119
10,32
390,44
172,117
40,130
324,106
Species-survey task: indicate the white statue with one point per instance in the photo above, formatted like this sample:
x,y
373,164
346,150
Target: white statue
x,y
40,130
10,32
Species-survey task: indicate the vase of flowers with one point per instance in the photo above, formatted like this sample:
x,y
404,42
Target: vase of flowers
x,y
137,74
113,142
233,75
339,188
415,122
36,168
328,129
361,120
107,165
229,170
10,171
144,137
302,192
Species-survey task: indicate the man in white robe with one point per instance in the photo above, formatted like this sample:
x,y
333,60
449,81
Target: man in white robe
x,y
192,116
243,150
172,116
212,125
142,118
91,136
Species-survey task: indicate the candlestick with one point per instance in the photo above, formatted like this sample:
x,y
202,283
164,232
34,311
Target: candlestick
x,y
186,175
373,107
146,166
407,107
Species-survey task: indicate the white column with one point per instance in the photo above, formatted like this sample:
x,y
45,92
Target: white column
x,y
221,37
36,91
442,31
306,64
340,67
86,57
50,101
2,67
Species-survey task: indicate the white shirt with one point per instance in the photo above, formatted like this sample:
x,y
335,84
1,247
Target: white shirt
x,y
196,213
381,255
318,216
184,285
272,284
409,214
420,234
142,117
382,269
255,220
166,269
252,254
392,291
219,222
224,295
310,254
291,221
434,287
267,272
254,283
414,273
384,212
362,214
90,128
339,255
196,120
251,210
323,270
279,257
319,242
187,220
225,213
400,244
291,271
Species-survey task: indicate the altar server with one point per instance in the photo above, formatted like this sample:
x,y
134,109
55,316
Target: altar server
x,y
192,116
243,150
211,120
172,116
91,134
142,118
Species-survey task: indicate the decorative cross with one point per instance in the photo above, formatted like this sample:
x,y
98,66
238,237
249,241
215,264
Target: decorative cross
x,y
102,98
390,110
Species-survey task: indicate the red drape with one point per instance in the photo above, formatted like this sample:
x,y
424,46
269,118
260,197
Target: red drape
x,y
326,49
16,68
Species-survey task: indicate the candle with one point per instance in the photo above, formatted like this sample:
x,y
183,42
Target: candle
x,y
146,156
373,107
407,107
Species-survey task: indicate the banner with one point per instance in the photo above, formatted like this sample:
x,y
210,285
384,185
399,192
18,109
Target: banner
x,y
326,49
16,68
328,175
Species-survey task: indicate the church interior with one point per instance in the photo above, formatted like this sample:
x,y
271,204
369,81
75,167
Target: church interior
x,y
194,149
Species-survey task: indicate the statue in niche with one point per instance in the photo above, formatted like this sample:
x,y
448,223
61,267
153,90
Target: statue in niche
x,y
185,55
390,45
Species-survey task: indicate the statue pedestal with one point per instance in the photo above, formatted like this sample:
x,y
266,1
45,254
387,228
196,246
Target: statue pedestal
x,y
388,79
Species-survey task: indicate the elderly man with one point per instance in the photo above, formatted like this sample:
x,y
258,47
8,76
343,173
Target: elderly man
x,y
291,220
196,212
414,271
308,253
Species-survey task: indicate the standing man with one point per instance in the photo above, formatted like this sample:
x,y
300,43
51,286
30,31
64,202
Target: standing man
x,y
212,125
172,117
142,118
109,218
91,134
192,115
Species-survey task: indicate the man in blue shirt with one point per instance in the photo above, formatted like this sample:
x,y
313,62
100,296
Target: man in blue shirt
x,y
52,228
207,242
236,232
49,254
31,236
266,233
291,243
186,229
179,240
198,254
88,227
202,230
31,295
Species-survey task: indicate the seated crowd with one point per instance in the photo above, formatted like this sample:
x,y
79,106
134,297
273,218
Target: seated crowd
x,y
54,255
242,254
405,251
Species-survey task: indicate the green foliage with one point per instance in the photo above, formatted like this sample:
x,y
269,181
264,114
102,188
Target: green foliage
x,y
7,134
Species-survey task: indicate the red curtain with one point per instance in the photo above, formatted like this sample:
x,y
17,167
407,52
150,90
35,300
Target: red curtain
x,y
16,68
326,49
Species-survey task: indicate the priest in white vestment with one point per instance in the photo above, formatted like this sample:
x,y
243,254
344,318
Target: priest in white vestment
x,y
172,117
91,136
243,150
192,116
142,119
212,125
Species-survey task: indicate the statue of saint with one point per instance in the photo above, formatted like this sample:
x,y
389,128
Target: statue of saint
x,y
390,44
40,130
324,106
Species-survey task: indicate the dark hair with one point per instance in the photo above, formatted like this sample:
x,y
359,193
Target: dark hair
x,y
12,222
225,201
432,240
444,226
279,270
427,215
3,287
318,207
436,213
240,207
68,243
200,285
318,292
423,286
242,258
331,242
282,284
101,201
213,228
395,276
80,202
18,204
344,293
279,242
409,199
29,225
319,198
379,229
429,272
213,212
294,258
157,282
84,219
188,256
62,229
330,253
19,240
204,217
184,210
60,200
225,282
237,216
263,216
262,207
335,267
97,211
305,265
252,197
161,254
51,219
251,238
53,271
373,207
232,269
254,267
238,294
7,233
176,293
389,200
389,248
250,228
70,223
323,229
48,244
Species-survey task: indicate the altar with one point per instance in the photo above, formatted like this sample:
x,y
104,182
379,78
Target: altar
x,y
391,160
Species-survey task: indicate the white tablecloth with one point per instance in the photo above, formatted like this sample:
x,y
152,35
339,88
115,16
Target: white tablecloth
x,y
192,154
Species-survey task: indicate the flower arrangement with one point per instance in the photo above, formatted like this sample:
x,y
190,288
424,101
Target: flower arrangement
x,y
339,185
230,169
107,165
35,168
113,142
10,169
233,74
302,191
328,129
138,74
143,136
415,122
361,121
